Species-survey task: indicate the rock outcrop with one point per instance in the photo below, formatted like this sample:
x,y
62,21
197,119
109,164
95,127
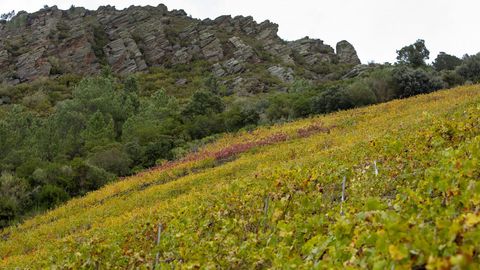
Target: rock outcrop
x,y
52,42
346,53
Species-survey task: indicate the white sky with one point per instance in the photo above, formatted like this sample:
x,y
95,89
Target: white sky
x,y
377,28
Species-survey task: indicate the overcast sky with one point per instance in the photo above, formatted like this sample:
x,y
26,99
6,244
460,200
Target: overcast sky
x,y
377,28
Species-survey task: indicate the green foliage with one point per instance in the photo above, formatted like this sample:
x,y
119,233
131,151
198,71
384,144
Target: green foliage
x,y
50,196
452,78
414,55
239,116
13,192
18,21
411,82
470,69
331,100
100,40
446,62
112,159
63,30
99,131
382,84
39,101
8,211
360,94
204,103
16,47
279,108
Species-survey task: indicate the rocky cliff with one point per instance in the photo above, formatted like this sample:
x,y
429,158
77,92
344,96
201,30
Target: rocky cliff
x,y
52,42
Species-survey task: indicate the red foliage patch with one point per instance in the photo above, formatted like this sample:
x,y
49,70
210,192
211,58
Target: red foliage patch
x,y
238,148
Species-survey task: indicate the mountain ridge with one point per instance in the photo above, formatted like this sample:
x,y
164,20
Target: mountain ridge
x,y
52,42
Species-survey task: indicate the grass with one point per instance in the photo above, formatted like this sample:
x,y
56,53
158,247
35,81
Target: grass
x,y
271,198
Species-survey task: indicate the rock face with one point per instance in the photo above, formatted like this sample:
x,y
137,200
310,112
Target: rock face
x,y
346,53
52,42
313,51
282,73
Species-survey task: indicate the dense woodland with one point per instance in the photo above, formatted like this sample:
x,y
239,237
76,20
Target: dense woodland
x,y
66,136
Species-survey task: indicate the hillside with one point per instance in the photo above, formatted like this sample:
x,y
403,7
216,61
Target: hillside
x,y
271,198
88,96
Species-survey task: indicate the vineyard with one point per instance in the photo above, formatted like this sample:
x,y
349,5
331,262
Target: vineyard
x,y
273,198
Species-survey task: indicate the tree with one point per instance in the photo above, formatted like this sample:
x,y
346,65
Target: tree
x,y
470,69
446,62
7,16
99,131
414,55
204,103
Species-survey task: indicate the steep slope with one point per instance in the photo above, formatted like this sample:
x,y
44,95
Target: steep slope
x,y
52,42
272,199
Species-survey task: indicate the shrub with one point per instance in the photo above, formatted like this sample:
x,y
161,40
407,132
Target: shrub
x,y
204,125
88,177
112,160
360,94
204,103
38,101
8,211
331,100
279,108
470,69
410,82
50,196
381,82
239,116
452,78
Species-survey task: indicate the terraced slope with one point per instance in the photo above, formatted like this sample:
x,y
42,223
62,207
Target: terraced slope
x,y
272,199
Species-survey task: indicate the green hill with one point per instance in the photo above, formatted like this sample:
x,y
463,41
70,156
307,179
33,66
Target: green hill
x,y
272,198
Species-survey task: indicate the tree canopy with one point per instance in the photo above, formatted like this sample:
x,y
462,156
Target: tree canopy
x,y
414,55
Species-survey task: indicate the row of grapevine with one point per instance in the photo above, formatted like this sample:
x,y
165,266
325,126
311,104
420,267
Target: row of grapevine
x,y
272,198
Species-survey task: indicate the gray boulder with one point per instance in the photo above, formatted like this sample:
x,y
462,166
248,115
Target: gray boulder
x,y
346,53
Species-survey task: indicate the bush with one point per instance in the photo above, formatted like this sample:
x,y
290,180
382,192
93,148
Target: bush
x,y
470,69
279,108
38,101
88,177
239,116
50,196
360,94
204,125
204,103
410,82
8,211
331,100
381,82
452,78
112,160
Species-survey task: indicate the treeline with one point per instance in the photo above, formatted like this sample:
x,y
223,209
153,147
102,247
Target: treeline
x,y
107,129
